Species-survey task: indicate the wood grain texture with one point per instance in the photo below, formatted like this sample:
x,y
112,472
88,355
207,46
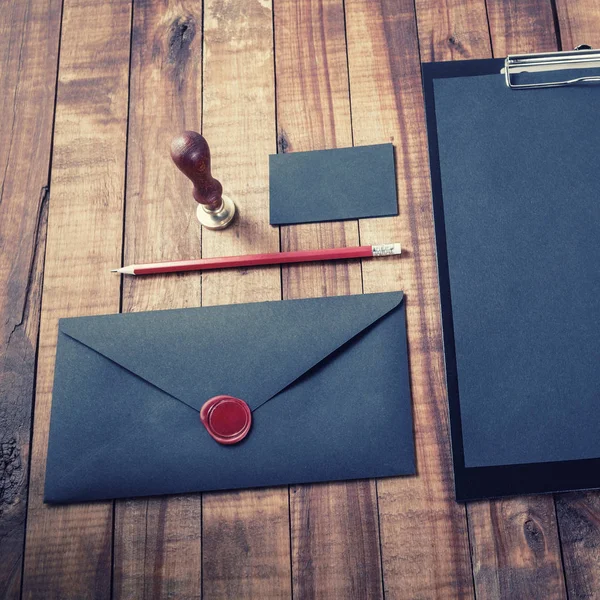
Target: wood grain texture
x,y
313,113
579,22
424,540
158,548
335,541
516,549
579,520
245,535
452,29
29,37
157,544
579,513
334,526
68,548
521,26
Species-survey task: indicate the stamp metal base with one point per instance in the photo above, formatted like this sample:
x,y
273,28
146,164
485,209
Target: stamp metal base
x,y
218,219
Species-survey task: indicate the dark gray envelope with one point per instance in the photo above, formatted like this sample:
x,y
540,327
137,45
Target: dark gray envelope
x,y
326,379
332,185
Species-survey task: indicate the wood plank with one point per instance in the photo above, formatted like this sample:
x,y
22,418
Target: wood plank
x,y
425,549
579,513
452,29
579,22
521,26
68,548
29,37
335,541
157,547
516,548
334,526
245,535
514,543
579,521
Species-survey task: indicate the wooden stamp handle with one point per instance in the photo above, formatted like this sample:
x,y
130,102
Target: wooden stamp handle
x,y
191,155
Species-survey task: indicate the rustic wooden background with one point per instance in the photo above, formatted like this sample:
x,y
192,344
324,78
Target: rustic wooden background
x,y
91,94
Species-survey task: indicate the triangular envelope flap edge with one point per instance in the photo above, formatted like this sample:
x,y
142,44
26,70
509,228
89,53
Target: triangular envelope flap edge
x,y
251,351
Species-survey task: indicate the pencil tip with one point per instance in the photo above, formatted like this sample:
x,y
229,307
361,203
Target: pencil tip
x,y
114,270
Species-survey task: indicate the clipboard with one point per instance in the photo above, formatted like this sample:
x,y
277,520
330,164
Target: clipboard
x,y
514,146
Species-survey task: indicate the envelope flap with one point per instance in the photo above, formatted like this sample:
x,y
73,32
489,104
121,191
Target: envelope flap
x,y
250,351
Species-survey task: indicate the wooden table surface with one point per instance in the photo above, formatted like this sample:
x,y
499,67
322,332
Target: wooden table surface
x,y
91,94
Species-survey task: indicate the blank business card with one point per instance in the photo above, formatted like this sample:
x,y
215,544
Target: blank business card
x,y
332,185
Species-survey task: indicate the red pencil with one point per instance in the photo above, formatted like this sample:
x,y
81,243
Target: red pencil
x,y
253,260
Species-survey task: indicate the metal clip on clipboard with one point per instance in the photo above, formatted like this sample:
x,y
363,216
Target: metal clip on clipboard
x,y
583,57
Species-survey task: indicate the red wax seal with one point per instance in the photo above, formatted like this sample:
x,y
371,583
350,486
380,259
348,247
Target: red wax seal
x,y
227,419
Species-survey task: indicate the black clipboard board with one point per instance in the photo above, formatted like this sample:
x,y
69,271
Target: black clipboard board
x,y
478,477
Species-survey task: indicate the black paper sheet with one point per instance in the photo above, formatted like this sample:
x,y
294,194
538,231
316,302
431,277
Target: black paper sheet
x,y
517,212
